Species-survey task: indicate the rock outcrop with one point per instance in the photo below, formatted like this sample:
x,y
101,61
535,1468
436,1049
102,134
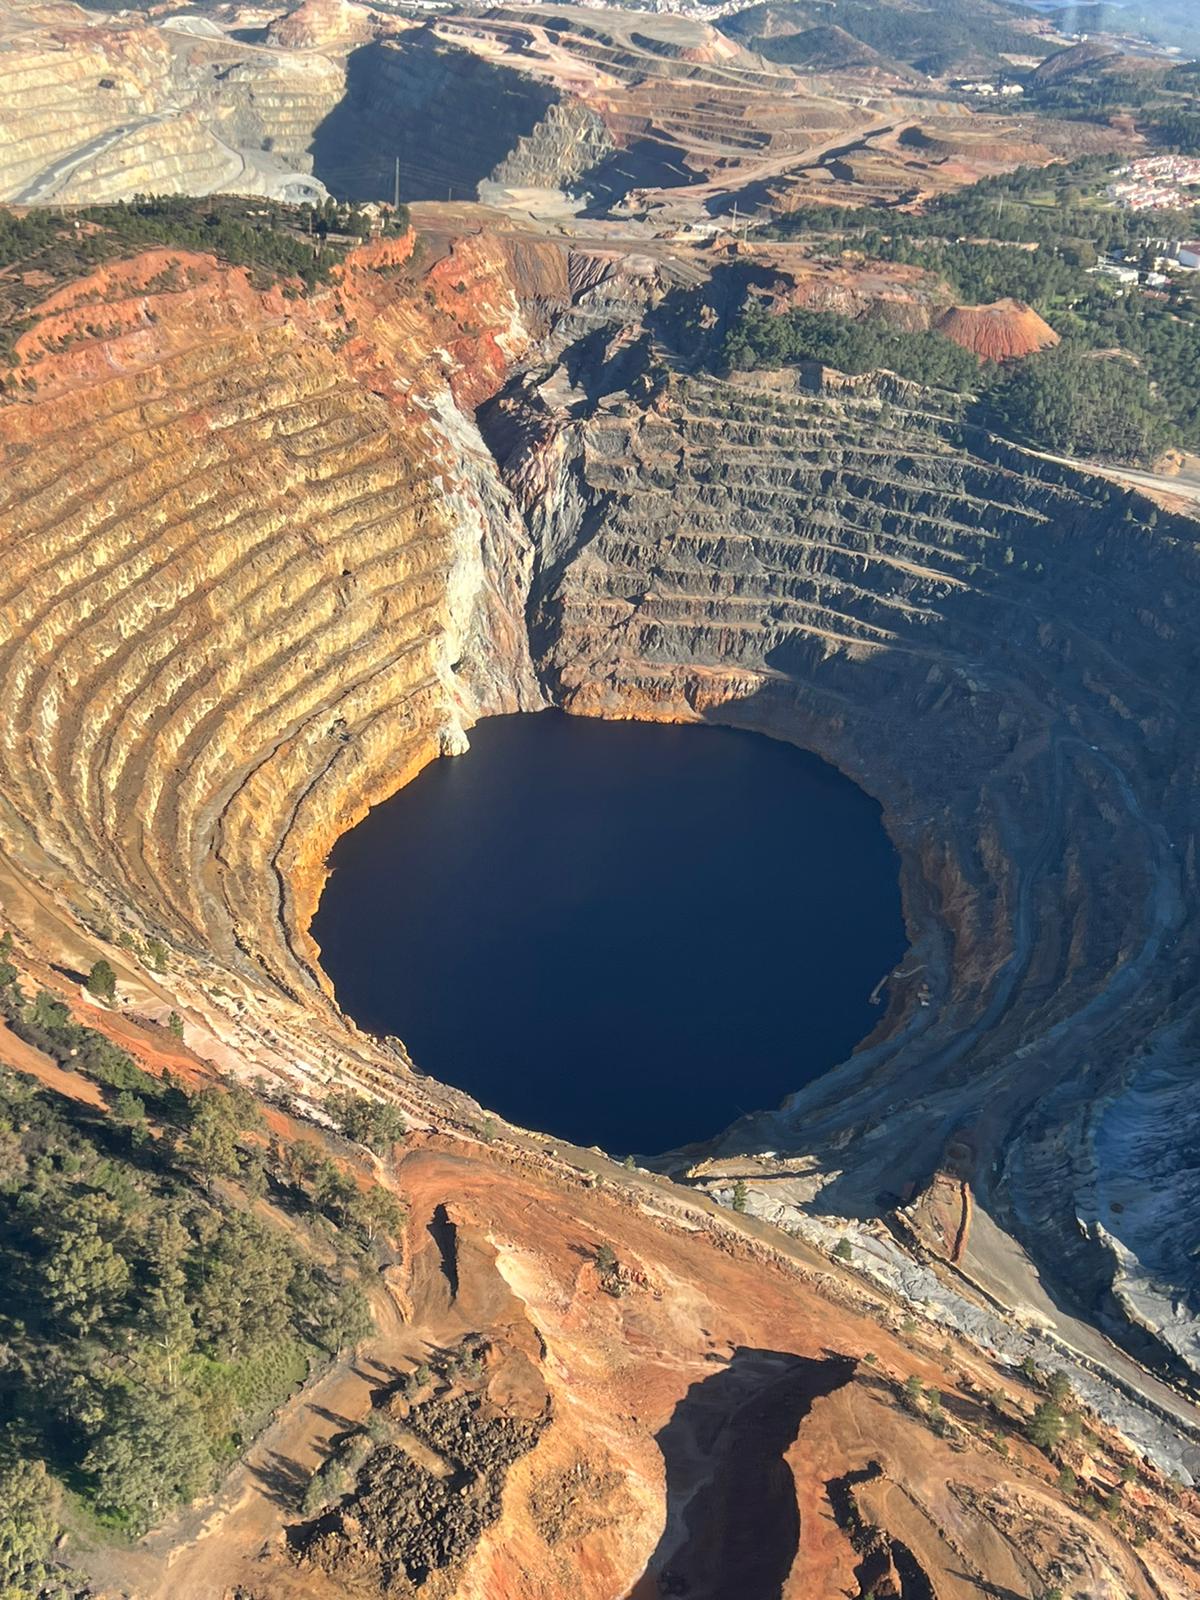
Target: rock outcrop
x,y
222,488
320,25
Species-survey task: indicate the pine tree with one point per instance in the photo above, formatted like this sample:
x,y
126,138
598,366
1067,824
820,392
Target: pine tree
x,y
1060,1387
83,1276
376,1211
102,981
166,1318
156,954
29,1505
210,1142
153,1453
376,1123
1046,1425
128,1108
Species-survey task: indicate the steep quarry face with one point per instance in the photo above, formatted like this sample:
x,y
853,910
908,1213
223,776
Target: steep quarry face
x,y
94,110
992,645
603,104
449,117
656,111
259,568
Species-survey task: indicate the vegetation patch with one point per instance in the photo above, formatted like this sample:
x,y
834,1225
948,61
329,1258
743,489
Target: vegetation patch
x,y
972,240
41,250
155,1303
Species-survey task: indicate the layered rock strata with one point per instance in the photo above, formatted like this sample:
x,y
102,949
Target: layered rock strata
x,y
994,647
630,110
258,570
95,111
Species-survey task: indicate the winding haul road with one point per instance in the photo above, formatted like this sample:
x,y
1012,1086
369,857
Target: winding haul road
x,y
1182,488
51,178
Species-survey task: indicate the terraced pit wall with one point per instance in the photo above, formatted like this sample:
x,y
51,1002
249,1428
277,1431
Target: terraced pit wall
x,y
253,582
449,116
107,112
991,645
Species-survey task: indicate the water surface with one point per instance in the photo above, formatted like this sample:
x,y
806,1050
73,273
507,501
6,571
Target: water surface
x,y
621,933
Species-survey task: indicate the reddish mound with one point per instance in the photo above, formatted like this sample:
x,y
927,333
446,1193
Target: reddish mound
x,y
713,49
1005,331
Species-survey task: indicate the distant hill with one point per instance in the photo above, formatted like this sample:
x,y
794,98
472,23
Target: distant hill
x,y
1085,57
945,36
828,48
1092,60
1172,22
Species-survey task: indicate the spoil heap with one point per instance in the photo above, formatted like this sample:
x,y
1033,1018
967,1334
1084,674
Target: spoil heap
x,y
1003,331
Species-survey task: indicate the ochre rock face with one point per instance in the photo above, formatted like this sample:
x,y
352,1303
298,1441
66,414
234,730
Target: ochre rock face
x,y
319,24
246,546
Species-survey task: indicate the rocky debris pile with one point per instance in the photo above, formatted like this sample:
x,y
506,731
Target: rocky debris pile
x,y
569,1504
316,24
413,1513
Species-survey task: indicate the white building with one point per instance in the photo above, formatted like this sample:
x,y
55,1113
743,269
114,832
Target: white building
x,y
1113,269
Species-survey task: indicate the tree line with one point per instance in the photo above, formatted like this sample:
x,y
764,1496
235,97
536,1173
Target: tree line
x,y
1069,400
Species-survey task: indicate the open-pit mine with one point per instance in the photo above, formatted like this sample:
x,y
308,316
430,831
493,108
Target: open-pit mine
x,y
276,540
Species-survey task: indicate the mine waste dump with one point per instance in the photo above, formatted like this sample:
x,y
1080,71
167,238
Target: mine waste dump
x,y
622,934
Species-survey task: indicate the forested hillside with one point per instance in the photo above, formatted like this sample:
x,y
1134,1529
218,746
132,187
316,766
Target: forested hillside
x,y
169,1273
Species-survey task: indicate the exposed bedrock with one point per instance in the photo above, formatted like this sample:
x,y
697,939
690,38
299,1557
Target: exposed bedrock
x,y
995,647
259,568
96,109
106,111
582,100
571,139
450,117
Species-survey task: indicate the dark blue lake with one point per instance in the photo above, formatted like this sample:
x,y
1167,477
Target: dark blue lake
x,y
620,933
